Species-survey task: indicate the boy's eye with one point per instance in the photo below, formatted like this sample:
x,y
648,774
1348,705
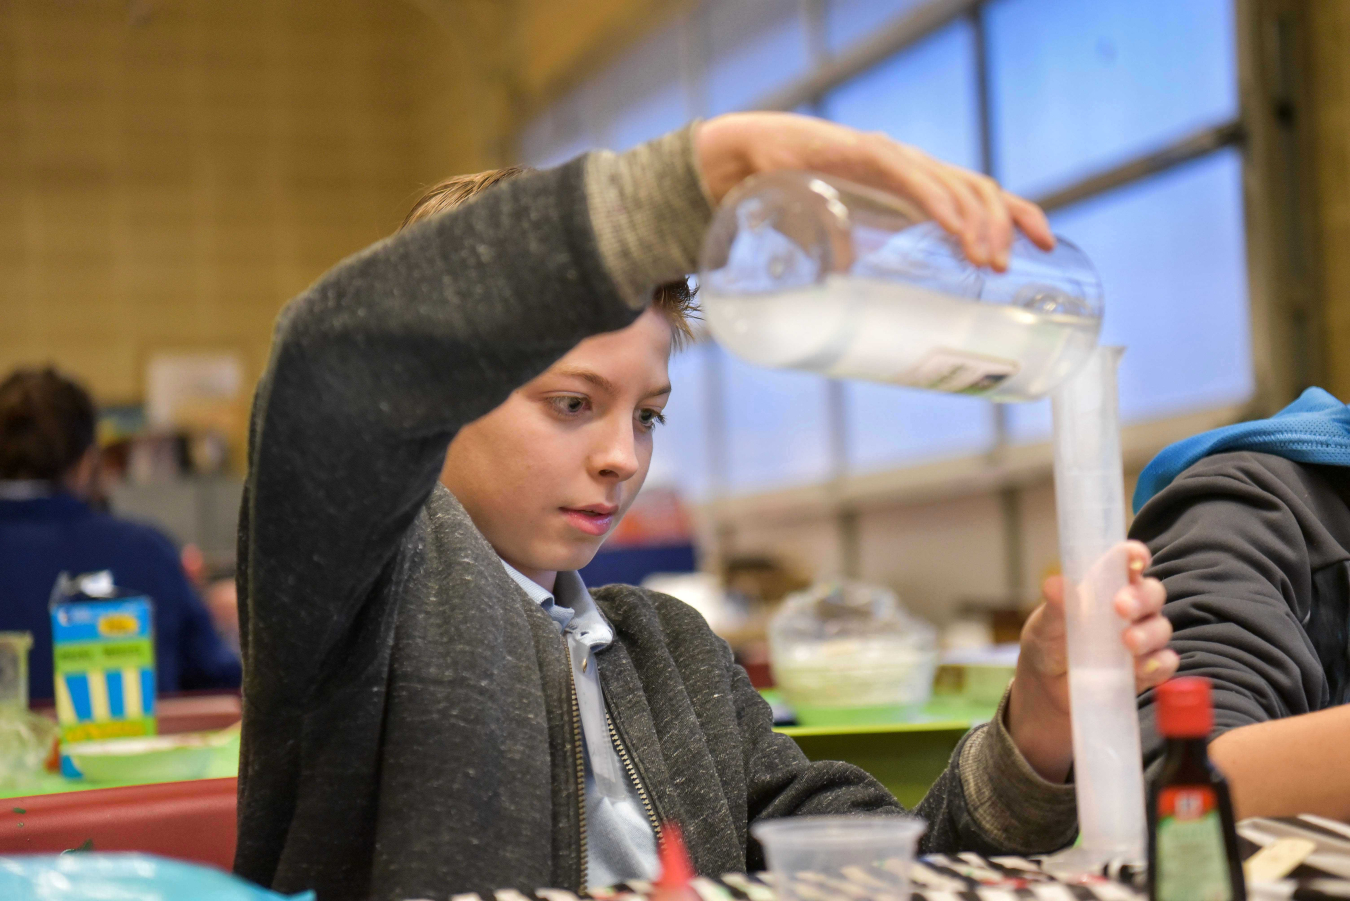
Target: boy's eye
x,y
568,404
650,419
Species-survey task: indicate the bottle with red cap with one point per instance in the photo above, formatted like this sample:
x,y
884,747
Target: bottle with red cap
x,y
1192,846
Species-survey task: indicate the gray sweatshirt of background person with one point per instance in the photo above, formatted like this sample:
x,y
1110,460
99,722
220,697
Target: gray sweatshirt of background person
x,y
409,730
1254,551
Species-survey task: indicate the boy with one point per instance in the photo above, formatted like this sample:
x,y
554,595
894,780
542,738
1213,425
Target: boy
x,y
1250,530
433,701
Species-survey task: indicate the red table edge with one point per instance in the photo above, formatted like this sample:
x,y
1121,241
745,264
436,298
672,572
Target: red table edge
x,y
192,820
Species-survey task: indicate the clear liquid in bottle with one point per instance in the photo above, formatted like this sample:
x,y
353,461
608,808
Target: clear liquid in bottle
x,y
809,273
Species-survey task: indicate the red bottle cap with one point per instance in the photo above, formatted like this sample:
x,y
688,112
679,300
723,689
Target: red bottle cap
x,y
1184,708
676,868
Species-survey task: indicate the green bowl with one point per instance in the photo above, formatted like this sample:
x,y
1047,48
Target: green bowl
x,y
151,758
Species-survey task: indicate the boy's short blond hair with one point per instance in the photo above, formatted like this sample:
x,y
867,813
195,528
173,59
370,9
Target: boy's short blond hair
x,y
674,299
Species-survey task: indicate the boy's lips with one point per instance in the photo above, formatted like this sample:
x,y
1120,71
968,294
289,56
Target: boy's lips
x,y
593,520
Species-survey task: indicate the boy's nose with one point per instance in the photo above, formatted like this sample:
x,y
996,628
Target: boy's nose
x,y
616,455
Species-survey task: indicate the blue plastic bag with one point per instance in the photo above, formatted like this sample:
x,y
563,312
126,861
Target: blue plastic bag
x,y
91,876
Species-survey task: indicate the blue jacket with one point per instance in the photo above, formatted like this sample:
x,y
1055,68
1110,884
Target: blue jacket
x,y
41,537
1314,429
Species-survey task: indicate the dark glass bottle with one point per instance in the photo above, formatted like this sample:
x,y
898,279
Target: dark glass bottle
x,y
1192,839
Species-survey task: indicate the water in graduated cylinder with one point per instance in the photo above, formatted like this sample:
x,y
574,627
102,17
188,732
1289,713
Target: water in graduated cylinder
x,y
1104,721
886,331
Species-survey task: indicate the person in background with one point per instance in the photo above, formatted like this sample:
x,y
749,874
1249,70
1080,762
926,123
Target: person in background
x,y
215,586
222,601
1249,526
48,470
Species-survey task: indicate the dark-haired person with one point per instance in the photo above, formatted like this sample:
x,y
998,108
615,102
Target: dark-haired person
x,y
1249,526
48,464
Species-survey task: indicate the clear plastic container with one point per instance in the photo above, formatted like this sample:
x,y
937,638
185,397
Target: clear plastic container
x,y
25,738
14,647
840,857
848,653
811,272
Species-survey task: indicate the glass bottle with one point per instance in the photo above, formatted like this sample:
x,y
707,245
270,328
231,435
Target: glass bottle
x,y
1192,848
811,272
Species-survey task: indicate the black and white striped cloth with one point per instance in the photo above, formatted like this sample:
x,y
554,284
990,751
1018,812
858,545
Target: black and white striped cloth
x,y
970,877
937,877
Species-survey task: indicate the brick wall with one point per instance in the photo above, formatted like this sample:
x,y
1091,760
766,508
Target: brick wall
x,y
171,171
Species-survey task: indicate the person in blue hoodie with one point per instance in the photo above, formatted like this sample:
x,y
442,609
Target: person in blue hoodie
x,y
48,465
1249,526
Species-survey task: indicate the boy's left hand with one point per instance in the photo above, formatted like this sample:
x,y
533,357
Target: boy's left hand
x,y
1038,706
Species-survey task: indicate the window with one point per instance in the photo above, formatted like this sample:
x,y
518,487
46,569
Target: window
x,y
755,48
647,92
1172,256
680,447
777,426
562,132
926,96
1080,87
889,426
641,97
849,21
1074,89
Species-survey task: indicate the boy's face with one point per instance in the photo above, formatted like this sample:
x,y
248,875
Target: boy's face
x,y
547,475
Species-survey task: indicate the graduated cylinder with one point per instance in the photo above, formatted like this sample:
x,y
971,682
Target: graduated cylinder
x,y
1090,502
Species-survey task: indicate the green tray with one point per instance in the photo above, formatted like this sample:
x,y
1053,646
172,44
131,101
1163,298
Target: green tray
x,y
224,764
905,756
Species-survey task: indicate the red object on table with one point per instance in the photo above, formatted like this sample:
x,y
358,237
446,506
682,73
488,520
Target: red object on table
x,y
676,867
193,820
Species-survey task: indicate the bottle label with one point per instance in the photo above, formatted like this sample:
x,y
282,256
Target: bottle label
x,y
1191,857
960,372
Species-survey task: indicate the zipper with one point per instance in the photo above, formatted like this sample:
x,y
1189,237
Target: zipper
x,y
580,761
633,775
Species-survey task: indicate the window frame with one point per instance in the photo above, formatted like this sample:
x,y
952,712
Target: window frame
x,y
1005,466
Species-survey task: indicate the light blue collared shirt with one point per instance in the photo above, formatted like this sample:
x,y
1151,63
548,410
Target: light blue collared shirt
x,y
621,845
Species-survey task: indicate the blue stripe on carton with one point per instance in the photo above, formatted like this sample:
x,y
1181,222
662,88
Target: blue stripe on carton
x,y
148,690
78,686
117,706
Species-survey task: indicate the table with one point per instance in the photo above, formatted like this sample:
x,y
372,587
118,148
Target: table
x,y
935,877
195,819
190,820
905,757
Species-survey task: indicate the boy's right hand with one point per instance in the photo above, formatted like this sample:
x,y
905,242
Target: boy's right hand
x,y
971,206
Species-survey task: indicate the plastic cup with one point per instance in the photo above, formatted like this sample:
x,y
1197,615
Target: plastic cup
x,y
14,669
811,857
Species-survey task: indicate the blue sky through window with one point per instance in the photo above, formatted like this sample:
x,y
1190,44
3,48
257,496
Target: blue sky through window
x,y
757,46
680,447
848,22
1171,251
777,426
1077,87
